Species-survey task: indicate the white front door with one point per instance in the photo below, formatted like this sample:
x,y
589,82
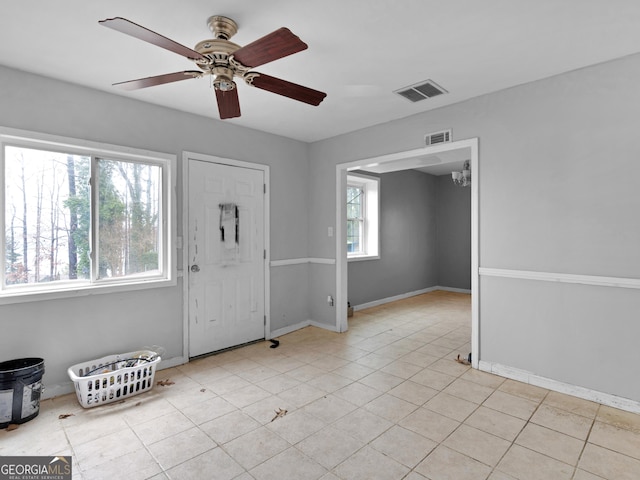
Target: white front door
x,y
226,256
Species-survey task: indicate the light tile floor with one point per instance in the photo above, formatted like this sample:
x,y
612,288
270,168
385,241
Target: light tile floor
x,y
385,400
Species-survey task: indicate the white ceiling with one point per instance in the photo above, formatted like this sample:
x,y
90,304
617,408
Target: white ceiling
x,y
442,163
360,51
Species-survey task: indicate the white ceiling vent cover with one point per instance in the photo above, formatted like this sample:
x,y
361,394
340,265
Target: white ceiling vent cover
x,y
434,138
421,91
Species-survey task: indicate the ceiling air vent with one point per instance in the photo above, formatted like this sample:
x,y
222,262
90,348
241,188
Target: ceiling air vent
x,y
421,91
443,136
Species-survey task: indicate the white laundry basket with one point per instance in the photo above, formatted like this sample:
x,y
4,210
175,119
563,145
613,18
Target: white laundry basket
x,y
114,378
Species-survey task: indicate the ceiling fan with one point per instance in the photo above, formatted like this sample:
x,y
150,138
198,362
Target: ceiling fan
x,y
224,60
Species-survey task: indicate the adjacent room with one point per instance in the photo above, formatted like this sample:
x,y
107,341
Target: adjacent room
x,y
410,252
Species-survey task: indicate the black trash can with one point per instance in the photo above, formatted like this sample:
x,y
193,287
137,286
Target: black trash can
x,y
20,389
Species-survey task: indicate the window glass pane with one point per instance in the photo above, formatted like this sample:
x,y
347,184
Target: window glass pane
x,y
354,202
355,217
353,236
46,203
128,218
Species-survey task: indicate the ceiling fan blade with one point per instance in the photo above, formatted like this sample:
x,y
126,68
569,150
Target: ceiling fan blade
x,y
228,103
271,47
288,89
127,26
158,80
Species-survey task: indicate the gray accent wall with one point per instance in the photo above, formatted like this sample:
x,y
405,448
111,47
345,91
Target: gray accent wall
x,y
453,239
558,164
425,239
408,260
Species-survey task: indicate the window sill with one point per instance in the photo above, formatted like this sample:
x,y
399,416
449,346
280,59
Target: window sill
x,y
73,291
360,258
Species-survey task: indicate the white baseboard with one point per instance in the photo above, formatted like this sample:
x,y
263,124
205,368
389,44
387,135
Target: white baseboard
x,y
402,296
454,290
57,390
561,387
172,362
289,329
52,391
298,326
331,328
395,298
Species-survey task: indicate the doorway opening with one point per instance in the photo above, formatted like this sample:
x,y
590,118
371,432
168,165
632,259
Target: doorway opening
x,y
448,156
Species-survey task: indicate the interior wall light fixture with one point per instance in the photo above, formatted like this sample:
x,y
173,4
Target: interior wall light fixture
x,y
463,178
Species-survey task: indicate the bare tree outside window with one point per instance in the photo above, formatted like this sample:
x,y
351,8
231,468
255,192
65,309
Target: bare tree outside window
x,y
128,225
48,217
37,195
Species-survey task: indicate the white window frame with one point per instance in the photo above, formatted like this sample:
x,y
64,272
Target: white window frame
x,y
167,261
360,219
371,230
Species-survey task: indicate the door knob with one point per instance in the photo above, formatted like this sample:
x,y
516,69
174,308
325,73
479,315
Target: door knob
x,y
195,268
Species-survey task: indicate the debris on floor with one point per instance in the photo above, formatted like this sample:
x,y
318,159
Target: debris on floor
x,y
11,427
165,383
275,343
62,416
464,361
279,413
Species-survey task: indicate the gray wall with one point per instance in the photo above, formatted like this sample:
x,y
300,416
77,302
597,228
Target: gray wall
x,y
425,230
68,331
453,241
322,278
558,164
408,260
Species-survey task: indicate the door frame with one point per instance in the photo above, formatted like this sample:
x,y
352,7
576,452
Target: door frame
x,y
341,242
183,242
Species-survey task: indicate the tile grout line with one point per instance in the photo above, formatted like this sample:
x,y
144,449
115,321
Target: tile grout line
x,y
513,442
586,440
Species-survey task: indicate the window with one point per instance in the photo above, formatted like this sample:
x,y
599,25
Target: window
x,y
355,219
362,217
81,217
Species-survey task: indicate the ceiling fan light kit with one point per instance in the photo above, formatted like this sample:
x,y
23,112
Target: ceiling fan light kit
x,y
224,61
463,178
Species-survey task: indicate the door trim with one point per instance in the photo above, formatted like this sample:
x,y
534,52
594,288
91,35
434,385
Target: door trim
x,y
183,243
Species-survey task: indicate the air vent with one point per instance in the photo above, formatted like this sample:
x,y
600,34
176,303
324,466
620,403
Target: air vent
x,y
421,91
434,138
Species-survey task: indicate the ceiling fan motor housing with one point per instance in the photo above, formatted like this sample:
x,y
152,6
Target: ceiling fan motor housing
x,y
218,51
222,27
